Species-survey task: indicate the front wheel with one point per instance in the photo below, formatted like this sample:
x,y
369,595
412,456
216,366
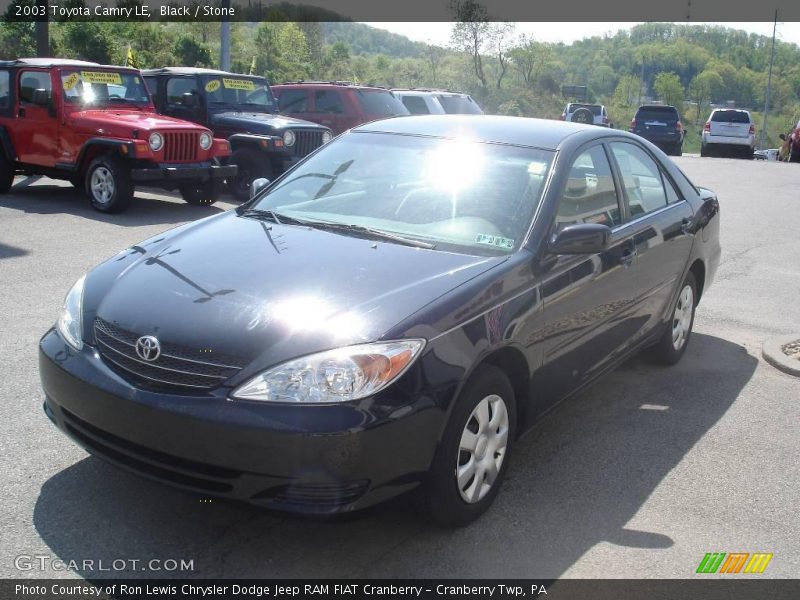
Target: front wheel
x,y
673,342
473,456
6,174
108,185
201,194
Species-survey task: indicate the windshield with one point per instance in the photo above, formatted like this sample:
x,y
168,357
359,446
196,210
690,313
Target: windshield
x,y
458,195
102,88
459,105
380,103
239,91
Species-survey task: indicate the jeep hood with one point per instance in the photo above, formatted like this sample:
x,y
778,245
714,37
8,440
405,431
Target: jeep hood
x,y
263,123
122,123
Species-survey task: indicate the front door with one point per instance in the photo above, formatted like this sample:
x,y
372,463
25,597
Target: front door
x,y
36,130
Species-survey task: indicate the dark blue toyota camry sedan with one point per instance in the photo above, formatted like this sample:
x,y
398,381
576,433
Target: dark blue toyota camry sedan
x,y
389,315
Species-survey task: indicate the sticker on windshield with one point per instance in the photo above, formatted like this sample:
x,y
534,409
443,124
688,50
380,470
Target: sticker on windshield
x,y
101,77
71,81
238,84
495,240
213,85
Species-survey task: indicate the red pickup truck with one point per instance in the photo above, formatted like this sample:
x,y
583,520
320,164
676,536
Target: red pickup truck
x,y
96,126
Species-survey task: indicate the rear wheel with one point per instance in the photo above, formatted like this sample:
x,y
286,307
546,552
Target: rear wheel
x,y
6,174
673,342
201,194
677,149
473,456
251,165
108,185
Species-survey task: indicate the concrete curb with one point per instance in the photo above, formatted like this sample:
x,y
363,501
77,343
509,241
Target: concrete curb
x,y
773,354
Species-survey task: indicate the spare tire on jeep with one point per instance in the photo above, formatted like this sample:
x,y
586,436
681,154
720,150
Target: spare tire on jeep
x,y
583,115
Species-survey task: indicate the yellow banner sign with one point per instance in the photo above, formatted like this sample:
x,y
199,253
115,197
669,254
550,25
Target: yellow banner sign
x,y
101,77
238,84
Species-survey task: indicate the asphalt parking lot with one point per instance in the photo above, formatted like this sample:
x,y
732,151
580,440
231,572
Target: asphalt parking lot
x,y
638,477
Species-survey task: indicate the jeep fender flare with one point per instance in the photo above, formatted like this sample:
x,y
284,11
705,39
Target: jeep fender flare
x,y
106,145
7,146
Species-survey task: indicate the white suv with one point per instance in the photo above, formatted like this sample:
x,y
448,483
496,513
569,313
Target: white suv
x,y
586,113
437,102
729,129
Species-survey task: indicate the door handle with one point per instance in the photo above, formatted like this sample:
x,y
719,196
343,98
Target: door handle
x,y
627,256
21,112
686,225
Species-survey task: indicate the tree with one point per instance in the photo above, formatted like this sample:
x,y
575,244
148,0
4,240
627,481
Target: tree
x,y
703,88
471,35
668,88
500,39
627,92
89,41
191,53
529,58
433,56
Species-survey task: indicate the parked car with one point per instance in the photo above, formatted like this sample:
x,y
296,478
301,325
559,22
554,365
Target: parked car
x,y
790,150
420,102
770,154
241,109
728,130
421,291
337,105
589,114
661,125
95,126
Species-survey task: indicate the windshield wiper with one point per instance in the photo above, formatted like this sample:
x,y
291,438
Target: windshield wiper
x,y
371,233
271,215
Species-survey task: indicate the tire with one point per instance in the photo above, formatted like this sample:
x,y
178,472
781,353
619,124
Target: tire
x,y
703,151
108,185
201,194
670,348
677,150
6,174
448,503
583,115
747,153
251,165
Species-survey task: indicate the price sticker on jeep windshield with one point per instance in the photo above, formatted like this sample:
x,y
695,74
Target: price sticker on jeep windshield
x,y
101,77
212,86
70,81
238,84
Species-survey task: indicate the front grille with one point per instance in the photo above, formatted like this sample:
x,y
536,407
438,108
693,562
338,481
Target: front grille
x,y
181,146
176,366
319,495
306,142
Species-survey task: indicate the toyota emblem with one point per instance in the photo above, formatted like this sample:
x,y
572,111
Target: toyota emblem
x,y
148,348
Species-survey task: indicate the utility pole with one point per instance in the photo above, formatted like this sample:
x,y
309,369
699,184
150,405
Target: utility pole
x,y
42,30
762,138
225,37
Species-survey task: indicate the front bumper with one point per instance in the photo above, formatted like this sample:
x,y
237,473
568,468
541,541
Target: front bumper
x,y
203,172
309,459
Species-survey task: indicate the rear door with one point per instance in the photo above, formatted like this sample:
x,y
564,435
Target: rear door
x,y
295,102
330,110
730,123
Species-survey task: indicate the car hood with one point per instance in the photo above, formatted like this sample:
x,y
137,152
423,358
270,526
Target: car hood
x,y
122,123
266,292
253,122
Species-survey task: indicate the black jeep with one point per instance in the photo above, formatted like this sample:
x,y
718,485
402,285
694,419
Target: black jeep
x,y
240,108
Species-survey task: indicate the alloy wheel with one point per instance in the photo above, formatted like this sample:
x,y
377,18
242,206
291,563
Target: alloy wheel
x,y
102,185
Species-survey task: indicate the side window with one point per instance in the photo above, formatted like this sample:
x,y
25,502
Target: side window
x,y
29,81
415,105
177,87
152,85
5,90
641,179
327,101
673,195
590,195
293,101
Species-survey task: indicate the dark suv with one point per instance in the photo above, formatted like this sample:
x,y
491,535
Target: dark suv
x,y
339,105
240,108
95,126
660,124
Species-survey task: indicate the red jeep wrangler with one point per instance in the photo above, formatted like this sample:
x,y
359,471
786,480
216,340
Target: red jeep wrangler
x,y
95,126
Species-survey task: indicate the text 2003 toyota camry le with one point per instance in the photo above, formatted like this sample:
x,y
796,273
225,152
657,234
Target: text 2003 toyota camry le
x,y
392,312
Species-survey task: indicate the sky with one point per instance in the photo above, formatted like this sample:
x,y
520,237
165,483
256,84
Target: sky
x,y
439,33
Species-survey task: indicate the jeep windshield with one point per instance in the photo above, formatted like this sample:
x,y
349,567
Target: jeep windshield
x,y
238,92
103,88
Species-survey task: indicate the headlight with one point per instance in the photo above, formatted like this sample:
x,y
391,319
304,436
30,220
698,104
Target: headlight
x,y
326,137
205,140
156,140
339,375
288,138
70,321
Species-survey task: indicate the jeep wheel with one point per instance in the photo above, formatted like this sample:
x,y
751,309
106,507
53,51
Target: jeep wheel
x,y
251,166
204,193
583,115
6,174
108,185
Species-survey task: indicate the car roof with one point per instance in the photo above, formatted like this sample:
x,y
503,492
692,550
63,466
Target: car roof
x,y
648,106
192,71
49,62
340,84
426,91
516,131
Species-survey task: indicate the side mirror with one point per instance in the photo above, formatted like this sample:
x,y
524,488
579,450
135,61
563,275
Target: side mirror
x,y
781,136
581,238
257,186
41,97
189,100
